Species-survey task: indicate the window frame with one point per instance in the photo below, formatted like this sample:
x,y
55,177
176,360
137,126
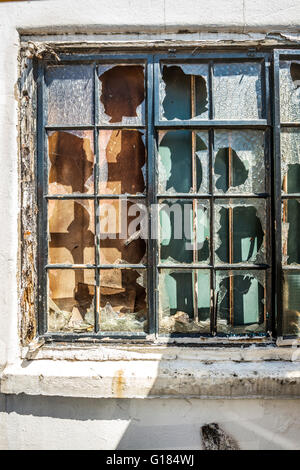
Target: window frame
x,y
152,61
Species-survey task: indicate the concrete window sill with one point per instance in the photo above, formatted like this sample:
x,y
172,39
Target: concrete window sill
x,y
141,372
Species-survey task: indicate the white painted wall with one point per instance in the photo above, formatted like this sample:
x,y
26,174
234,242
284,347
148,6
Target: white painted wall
x,y
33,422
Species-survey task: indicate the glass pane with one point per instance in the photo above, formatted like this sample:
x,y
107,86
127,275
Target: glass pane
x,y
71,162
237,91
71,294
122,94
290,231
240,231
70,94
184,92
291,303
239,163
71,231
176,151
123,231
123,300
184,301
178,241
290,160
122,165
289,75
240,302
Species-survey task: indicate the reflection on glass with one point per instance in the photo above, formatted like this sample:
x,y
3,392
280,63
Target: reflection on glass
x,y
71,231
290,231
71,295
122,94
183,92
239,232
122,165
177,149
123,300
70,94
123,231
289,76
239,164
184,301
240,302
291,303
71,162
237,91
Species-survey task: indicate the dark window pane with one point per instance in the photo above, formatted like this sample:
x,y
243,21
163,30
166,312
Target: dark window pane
x,y
290,231
71,162
71,231
122,94
183,92
71,294
240,302
184,301
123,300
290,160
122,166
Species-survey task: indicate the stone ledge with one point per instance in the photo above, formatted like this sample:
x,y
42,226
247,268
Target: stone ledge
x,y
142,379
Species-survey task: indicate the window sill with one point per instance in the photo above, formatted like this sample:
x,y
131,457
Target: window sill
x,y
141,372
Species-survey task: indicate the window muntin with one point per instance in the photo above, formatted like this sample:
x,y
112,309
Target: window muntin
x,y
210,149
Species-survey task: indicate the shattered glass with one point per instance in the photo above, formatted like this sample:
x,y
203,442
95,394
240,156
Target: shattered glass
x,y
122,162
184,231
183,92
175,162
239,163
291,303
237,91
122,94
71,231
290,231
123,300
184,301
290,160
70,162
123,231
70,94
71,294
240,229
240,302
289,76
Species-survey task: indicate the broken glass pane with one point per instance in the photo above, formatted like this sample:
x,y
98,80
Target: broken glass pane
x,y
239,163
179,242
290,160
240,297
183,92
71,162
123,231
291,303
71,294
71,233
176,152
290,231
184,301
237,91
122,94
122,162
240,231
289,74
70,94
123,300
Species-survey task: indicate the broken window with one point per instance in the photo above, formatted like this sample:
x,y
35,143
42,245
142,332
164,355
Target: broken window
x,y
287,148
154,186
